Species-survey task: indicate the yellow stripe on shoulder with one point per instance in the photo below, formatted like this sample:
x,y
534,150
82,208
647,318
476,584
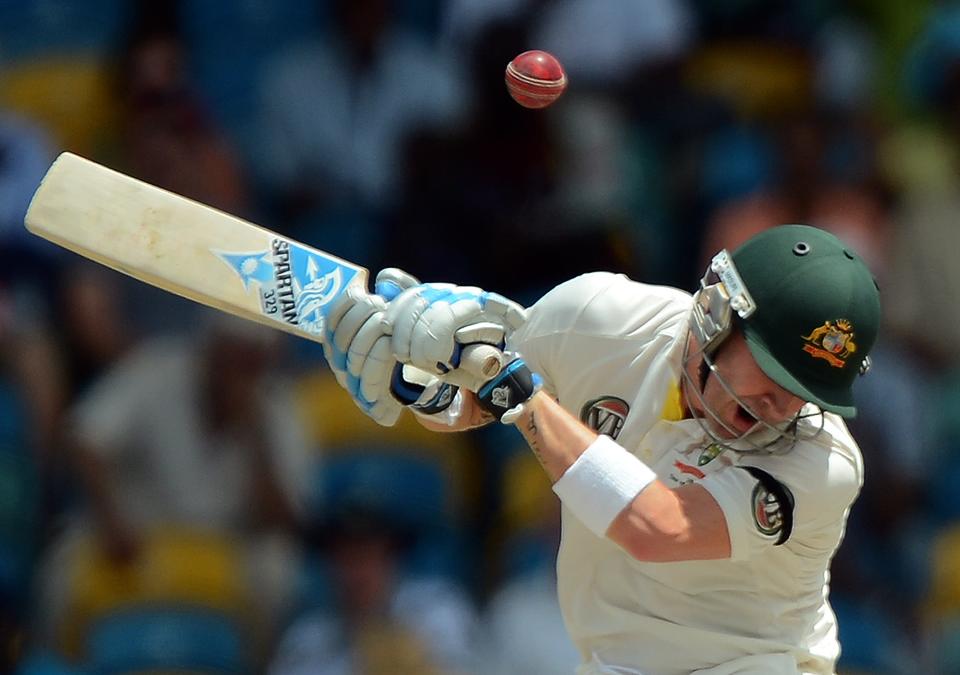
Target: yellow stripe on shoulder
x,y
672,404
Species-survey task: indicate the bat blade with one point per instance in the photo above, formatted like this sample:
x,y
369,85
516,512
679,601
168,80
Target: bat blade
x,y
188,248
198,252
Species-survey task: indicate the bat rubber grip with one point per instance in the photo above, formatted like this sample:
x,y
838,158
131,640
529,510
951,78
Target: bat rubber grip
x,y
481,360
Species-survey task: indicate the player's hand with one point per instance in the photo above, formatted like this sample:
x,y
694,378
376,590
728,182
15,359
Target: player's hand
x,y
358,350
432,323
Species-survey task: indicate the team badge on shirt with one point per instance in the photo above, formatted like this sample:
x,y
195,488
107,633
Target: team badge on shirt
x,y
710,453
766,511
605,415
772,504
832,342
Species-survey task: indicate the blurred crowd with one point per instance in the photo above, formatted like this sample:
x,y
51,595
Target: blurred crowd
x,y
182,490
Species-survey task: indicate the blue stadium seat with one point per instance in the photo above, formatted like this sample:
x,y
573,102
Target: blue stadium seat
x,y
41,662
869,638
230,41
737,162
411,491
927,63
946,645
185,638
39,28
411,488
19,502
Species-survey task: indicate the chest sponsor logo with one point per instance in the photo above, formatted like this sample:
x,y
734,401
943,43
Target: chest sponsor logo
x,y
767,511
605,415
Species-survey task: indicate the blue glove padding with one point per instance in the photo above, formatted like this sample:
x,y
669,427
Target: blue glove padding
x,y
358,350
431,324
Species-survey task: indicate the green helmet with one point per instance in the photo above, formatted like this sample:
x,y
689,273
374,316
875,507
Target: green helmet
x,y
809,309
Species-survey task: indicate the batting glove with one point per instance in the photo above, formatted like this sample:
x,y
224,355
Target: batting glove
x,y
358,349
432,323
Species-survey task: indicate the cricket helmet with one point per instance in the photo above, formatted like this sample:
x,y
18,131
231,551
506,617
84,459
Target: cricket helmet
x,y
808,308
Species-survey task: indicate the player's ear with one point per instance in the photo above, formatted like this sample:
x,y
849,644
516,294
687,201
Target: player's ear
x,y
392,281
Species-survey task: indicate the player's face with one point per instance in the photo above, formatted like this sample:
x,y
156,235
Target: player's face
x,y
757,393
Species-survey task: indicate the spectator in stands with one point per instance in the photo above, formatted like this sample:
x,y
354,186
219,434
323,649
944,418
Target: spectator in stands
x,y
194,434
165,134
526,595
334,114
380,621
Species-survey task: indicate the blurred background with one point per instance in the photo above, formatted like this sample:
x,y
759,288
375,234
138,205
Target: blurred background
x,y
182,492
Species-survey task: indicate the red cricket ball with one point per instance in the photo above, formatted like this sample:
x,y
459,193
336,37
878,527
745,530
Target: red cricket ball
x,y
535,79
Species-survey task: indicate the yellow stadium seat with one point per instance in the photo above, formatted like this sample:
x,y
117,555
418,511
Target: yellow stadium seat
x,y
70,97
334,425
191,567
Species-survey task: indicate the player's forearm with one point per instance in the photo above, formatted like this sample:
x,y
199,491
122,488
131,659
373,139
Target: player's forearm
x,y
651,521
555,436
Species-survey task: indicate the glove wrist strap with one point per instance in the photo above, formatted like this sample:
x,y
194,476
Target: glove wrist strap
x,y
439,402
515,385
426,399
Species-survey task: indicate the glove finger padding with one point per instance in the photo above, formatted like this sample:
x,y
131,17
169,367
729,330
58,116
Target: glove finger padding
x,y
391,282
402,315
355,317
513,314
486,331
432,322
359,348
376,369
385,412
370,364
354,295
443,326
432,339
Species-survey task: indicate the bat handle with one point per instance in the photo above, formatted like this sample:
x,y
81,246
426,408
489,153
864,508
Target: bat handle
x,y
481,360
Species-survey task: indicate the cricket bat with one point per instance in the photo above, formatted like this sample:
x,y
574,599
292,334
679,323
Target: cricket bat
x,y
198,252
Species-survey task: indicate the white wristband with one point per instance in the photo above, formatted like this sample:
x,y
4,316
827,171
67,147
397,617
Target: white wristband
x,y
601,483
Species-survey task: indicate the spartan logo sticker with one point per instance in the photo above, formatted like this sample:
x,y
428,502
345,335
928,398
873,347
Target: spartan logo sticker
x,y
296,285
767,511
605,415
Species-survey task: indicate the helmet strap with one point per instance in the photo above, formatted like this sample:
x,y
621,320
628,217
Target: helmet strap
x,y
704,374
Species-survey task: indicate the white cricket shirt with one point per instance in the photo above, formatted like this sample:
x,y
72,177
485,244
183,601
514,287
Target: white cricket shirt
x,y
610,350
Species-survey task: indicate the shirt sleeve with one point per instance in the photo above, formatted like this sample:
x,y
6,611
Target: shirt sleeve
x,y
582,320
800,501
758,508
